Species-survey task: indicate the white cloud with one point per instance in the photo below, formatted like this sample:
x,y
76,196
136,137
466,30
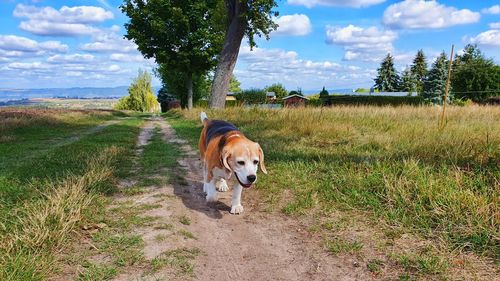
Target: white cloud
x,y
114,68
127,57
338,3
74,58
493,10
79,14
420,14
13,45
490,38
28,65
495,25
46,28
67,21
262,67
109,42
74,73
294,25
365,44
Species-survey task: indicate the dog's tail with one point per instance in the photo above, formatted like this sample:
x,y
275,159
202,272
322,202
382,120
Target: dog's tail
x,y
203,117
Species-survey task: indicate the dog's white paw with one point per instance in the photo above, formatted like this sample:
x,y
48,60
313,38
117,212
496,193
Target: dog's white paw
x,y
235,210
222,185
212,198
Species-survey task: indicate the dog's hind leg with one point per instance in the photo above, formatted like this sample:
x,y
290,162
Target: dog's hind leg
x,y
221,185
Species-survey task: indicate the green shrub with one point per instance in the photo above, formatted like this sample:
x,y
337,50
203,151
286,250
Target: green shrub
x,y
374,100
252,96
140,95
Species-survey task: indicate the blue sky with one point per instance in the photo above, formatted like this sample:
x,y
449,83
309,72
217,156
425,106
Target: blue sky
x,y
332,43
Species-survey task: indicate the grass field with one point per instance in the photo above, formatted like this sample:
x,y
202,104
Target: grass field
x,y
382,169
53,165
391,163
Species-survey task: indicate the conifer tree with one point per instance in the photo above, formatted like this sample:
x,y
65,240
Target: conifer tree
x,y
408,81
435,82
387,79
419,70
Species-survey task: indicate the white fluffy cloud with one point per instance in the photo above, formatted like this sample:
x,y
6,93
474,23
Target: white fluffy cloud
x,y
127,57
17,46
421,14
47,28
493,10
67,21
490,38
365,44
79,14
73,58
109,42
262,67
495,25
339,3
294,25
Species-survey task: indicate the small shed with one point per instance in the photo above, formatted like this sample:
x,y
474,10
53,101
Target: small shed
x,y
294,101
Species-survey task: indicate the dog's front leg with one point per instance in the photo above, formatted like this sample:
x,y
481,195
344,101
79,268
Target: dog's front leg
x,y
236,207
211,191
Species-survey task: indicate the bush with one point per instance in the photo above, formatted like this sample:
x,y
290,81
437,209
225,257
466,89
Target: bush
x,y
252,96
140,95
229,103
374,100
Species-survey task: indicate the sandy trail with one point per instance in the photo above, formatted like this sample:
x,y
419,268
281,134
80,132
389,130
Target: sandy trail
x,y
251,246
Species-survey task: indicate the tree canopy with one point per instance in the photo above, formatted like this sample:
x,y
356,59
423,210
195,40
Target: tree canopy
x,y
140,95
278,89
248,18
234,85
387,79
181,35
474,76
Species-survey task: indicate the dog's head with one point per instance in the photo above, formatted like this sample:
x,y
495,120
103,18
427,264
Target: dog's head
x,y
243,158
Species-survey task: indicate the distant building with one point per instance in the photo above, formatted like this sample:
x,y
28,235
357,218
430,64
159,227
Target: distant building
x,y
294,101
271,96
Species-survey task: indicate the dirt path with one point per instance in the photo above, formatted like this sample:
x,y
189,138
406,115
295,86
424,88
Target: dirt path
x,y
251,246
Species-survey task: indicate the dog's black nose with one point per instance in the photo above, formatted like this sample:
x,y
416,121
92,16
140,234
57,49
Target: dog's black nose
x,y
251,178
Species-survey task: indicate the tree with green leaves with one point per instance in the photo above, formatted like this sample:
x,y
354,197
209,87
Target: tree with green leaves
x,y
234,85
387,79
278,89
323,96
248,18
419,70
173,84
474,76
435,82
140,95
408,81
183,36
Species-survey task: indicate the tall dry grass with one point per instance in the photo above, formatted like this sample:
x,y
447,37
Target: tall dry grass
x,y
393,161
43,226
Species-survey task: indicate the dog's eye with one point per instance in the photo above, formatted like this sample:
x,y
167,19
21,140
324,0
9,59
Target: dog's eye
x,y
255,162
241,162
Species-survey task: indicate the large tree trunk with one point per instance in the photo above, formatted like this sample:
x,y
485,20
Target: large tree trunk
x,y
229,54
189,86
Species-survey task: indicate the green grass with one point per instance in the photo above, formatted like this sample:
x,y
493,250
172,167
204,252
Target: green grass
x,y
424,262
392,162
54,168
340,246
185,220
97,272
126,249
179,259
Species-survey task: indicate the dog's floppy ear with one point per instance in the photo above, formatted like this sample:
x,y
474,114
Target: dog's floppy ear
x,y
261,160
225,155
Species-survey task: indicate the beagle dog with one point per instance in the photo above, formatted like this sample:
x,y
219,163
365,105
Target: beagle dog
x,y
225,152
